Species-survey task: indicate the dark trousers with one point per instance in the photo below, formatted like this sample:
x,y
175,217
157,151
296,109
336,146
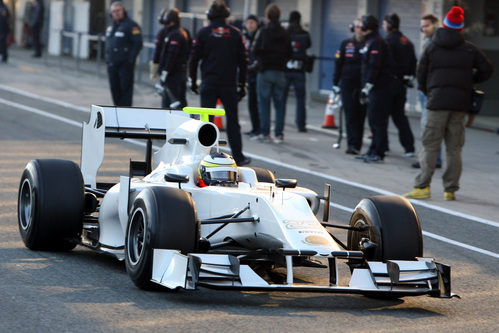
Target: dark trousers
x,y
121,82
228,96
355,114
177,83
397,113
3,47
297,80
253,107
36,41
378,111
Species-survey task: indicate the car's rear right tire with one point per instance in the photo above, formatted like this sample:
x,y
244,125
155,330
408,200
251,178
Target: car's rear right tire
x,y
160,218
264,175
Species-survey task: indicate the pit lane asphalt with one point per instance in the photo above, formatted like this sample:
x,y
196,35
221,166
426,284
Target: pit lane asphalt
x,y
82,290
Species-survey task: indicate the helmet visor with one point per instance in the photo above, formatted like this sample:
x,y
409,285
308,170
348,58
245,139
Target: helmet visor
x,y
223,176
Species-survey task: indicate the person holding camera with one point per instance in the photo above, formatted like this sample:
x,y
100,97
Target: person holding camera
x,y
272,48
446,73
404,58
123,44
224,65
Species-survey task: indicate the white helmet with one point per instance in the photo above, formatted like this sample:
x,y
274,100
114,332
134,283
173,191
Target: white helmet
x,y
217,169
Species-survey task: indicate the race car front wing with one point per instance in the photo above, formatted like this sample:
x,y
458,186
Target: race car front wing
x,y
394,278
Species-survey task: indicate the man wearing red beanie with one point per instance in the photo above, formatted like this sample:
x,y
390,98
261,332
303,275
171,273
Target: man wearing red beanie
x,y
446,73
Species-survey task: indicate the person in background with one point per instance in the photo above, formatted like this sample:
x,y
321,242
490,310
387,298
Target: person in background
x,y
295,68
272,49
173,46
404,68
446,73
36,25
347,81
250,29
4,30
377,78
123,44
429,24
224,64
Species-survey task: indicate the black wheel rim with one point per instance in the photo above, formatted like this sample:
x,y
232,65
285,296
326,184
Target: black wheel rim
x,y
26,204
136,237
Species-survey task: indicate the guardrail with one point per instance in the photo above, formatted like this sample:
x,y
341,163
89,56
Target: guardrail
x,y
71,43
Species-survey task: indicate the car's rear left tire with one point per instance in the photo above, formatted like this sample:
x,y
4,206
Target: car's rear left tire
x,y
50,205
393,226
160,218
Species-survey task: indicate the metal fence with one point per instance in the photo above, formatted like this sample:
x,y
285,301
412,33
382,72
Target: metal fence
x,y
71,52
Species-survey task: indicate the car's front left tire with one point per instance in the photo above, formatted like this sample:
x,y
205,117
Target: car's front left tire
x,y
160,218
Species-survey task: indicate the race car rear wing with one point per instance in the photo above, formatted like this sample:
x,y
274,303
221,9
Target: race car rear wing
x,y
123,123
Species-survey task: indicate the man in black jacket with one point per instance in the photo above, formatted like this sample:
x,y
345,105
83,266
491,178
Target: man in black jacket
x,y
123,44
446,73
377,81
404,59
4,30
173,46
346,79
272,48
224,65
295,74
36,25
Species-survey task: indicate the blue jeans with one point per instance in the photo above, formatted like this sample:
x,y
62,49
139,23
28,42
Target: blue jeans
x,y
271,84
424,112
297,80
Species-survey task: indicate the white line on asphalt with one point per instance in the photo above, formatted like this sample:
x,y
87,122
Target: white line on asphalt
x,y
435,236
456,243
44,99
40,112
428,234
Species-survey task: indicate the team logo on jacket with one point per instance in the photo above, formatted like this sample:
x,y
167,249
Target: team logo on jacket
x,y
135,30
295,45
404,40
220,32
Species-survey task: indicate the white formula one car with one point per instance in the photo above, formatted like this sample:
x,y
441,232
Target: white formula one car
x,y
193,218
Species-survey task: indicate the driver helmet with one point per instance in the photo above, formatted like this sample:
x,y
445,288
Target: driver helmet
x,y
217,169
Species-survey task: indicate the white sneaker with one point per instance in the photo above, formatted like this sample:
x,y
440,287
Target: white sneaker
x,y
262,138
409,154
279,139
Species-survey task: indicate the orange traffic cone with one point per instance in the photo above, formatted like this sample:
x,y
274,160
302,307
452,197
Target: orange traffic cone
x,y
217,120
329,113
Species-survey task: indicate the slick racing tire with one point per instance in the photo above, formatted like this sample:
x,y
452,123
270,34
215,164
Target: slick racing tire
x,y
160,218
50,205
264,175
394,229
